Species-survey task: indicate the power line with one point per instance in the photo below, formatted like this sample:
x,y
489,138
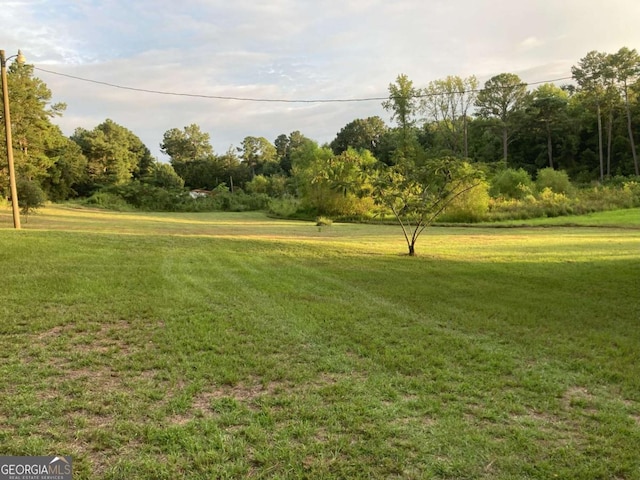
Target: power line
x,y
214,97
269,100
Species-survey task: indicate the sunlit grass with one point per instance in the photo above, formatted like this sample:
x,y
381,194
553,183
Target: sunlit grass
x,y
232,345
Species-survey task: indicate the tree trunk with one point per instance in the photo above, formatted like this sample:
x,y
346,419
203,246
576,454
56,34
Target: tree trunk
x,y
465,134
549,146
633,143
609,142
601,156
412,250
505,143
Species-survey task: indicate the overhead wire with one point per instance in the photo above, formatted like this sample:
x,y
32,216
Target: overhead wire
x,y
270,100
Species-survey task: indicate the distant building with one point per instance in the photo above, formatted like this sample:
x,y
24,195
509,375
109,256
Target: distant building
x,y
200,193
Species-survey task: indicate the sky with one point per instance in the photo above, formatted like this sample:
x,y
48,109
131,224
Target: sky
x,y
288,50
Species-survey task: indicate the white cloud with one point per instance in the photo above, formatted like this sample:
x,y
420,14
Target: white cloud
x,y
530,42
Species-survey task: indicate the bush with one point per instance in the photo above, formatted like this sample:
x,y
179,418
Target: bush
x,y
145,196
324,222
555,180
30,196
554,204
109,201
632,188
510,183
284,207
470,207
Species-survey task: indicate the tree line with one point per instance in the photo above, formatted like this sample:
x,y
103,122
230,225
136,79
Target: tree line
x,y
586,129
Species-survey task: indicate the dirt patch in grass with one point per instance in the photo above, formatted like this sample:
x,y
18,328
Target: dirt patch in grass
x,y
579,397
243,392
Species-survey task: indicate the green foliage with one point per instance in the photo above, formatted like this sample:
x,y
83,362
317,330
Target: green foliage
x,y
502,99
511,184
258,184
30,196
108,201
68,171
284,207
446,103
34,135
274,185
259,155
577,202
324,221
145,196
337,185
360,134
186,145
402,102
632,188
555,180
554,204
469,207
417,195
164,176
114,153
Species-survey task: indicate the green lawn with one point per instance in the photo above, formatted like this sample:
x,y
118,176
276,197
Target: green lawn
x,y
163,346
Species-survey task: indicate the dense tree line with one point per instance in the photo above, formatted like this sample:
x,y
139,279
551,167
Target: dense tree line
x,y
587,129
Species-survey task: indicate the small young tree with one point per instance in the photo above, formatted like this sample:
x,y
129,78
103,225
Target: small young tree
x,y
30,196
418,194
415,190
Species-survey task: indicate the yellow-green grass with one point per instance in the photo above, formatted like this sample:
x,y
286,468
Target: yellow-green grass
x,y
233,345
629,218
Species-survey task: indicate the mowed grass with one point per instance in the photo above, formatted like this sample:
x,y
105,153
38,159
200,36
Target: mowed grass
x,y
162,346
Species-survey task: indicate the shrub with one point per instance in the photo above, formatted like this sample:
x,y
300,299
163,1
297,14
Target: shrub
x,y
324,222
554,204
510,183
632,188
109,201
145,196
556,180
284,207
472,206
30,196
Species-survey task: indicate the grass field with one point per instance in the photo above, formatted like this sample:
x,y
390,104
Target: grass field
x,y
163,346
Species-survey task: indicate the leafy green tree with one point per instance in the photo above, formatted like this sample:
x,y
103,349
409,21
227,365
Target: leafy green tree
x,y
625,65
414,189
114,154
418,194
33,133
360,134
286,145
501,99
191,155
446,103
548,109
164,176
30,196
591,76
334,185
403,104
67,173
187,144
259,155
